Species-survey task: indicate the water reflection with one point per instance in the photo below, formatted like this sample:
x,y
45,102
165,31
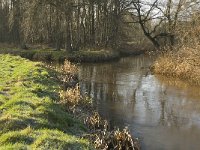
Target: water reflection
x,y
162,114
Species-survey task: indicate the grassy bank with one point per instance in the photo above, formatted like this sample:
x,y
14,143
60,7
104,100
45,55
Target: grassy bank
x,y
41,108
48,55
85,55
30,117
51,55
183,64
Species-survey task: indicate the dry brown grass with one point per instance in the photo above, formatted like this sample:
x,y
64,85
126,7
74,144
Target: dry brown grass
x,y
70,97
69,68
117,140
184,64
105,139
95,122
184,61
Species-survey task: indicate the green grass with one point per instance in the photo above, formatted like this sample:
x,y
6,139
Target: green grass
x,y
30,118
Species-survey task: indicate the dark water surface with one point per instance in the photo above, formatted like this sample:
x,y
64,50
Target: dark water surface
x,y
164,113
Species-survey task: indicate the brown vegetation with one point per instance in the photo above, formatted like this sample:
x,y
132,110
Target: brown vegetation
x,y
183,60
104,138
184,64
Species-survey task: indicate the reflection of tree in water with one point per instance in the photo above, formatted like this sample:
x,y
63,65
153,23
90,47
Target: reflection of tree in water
x,y
114,85
191,91
162,119
98,82
126,94
125,90
109,78
170,114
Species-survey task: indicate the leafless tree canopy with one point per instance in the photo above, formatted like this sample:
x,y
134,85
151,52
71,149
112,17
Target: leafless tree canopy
x,y
75,24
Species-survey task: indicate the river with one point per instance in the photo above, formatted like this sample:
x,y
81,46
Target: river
x,y
164,113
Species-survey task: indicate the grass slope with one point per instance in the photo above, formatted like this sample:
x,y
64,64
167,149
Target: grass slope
x,y
30,118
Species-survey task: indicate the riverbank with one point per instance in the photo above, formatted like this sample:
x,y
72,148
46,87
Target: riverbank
x,y
45,55
42,108
30,115
86,55
103,55
132,49
183,63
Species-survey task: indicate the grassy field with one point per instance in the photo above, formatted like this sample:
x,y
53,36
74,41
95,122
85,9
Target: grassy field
x,y
30,117
184,63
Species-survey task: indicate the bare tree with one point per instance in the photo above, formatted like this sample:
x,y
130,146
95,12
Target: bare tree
x,y
159,19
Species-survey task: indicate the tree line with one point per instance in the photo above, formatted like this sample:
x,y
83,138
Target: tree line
x,y
76,24
63,23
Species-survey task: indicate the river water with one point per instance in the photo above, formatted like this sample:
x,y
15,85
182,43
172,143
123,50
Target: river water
x,y
164,113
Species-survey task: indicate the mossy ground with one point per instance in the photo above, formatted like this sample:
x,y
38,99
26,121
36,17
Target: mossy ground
x,y
30,117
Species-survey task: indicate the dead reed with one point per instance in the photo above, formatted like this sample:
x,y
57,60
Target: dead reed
x,y
184,64
103,138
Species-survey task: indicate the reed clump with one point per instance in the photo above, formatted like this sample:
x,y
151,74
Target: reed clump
x,y
104,138
183,63
69,68
70,97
